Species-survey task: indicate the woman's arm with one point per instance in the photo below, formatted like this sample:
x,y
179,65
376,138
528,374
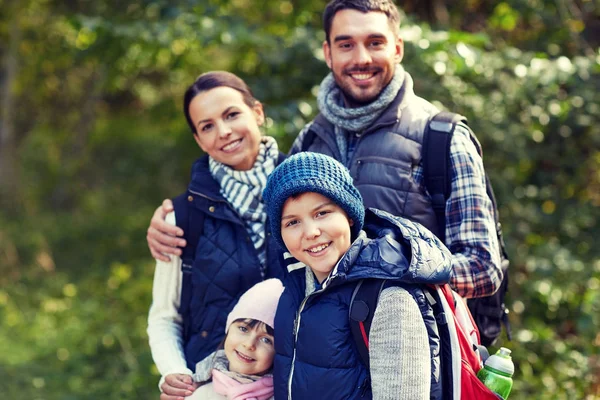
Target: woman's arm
x,y
399,348
165,324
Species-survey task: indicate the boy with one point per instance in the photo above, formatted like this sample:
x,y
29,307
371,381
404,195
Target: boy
x,y
317,214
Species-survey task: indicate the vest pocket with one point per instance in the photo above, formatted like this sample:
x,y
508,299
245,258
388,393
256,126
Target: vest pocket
x,y
380,171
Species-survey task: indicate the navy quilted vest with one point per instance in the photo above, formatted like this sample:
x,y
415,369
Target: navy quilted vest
x,y
226,265
315,351
327,364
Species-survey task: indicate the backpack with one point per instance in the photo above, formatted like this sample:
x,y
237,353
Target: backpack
x,y
461,355
490,312
191,221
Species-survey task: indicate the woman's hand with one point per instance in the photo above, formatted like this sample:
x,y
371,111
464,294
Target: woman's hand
x,y
163,237
177,386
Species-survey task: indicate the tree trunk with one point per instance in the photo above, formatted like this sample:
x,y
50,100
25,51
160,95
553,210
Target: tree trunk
x,y
8,150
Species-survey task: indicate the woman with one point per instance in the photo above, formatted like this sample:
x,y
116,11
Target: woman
x,y
233,251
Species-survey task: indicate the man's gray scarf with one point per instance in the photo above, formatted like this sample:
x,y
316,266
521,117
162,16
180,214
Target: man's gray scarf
x,y
331,105
243,191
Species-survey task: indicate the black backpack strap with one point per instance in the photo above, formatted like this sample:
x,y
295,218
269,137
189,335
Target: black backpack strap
x,y
436,163
362,309
191,221
488,312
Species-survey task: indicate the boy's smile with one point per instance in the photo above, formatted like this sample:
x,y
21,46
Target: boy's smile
x,y
316,231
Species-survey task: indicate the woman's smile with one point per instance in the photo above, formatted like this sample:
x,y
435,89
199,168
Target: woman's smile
x,y
226,127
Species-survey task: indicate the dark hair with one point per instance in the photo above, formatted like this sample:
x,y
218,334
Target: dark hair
x,y
256,323
211,80
385,6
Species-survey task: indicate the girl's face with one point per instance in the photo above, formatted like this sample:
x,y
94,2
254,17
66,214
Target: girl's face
x,y
316,231
226,127
249,349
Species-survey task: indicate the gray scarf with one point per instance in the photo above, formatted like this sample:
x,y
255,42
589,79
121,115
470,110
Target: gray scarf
x,y
331,105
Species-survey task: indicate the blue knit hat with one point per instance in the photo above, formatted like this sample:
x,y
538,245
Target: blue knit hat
x,y
312,172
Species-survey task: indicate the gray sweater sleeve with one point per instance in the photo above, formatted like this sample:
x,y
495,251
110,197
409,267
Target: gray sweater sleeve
x,y
399,348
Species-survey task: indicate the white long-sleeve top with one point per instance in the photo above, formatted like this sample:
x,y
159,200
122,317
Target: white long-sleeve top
x,y
165,324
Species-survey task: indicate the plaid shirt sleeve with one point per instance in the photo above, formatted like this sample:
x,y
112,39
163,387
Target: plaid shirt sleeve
x,y
470,226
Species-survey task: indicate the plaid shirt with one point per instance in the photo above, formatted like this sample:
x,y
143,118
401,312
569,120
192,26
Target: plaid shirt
x,y
470,226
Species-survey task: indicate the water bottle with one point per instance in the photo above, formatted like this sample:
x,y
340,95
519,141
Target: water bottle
x,y
497,373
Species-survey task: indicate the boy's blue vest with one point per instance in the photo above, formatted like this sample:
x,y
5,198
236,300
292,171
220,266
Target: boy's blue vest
x,y
225,263
315,351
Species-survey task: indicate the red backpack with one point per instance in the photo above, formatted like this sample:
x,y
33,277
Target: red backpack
x,y
460,355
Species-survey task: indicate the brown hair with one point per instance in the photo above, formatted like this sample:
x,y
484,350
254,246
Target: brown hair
x,y
385,6
211,80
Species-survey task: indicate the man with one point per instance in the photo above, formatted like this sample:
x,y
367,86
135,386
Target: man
x,y
371,120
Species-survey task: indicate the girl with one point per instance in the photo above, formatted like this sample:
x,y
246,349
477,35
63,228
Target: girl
x,y
317,214
234,250
241,370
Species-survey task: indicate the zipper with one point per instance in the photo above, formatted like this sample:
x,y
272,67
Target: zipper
x,y
383,160
365,386
296,328
206,197
380,160
327,283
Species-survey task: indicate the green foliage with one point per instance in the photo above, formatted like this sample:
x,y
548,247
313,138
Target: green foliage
x,y
101,141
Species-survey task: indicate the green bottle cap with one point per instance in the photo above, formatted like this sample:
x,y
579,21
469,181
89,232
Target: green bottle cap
x,y
501,361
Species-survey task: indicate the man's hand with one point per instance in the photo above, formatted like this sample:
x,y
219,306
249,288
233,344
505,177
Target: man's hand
x,y
162,236
177,386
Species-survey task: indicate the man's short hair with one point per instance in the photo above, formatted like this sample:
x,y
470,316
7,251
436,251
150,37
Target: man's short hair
x,y
385,6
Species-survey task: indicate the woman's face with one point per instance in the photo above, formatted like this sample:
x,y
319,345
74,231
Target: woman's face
x,y
249,350
226,127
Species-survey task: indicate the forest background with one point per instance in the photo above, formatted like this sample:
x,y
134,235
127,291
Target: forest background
x,y
92,138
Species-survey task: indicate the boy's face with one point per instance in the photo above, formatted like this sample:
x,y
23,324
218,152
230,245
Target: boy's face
x,y
249,350
316,231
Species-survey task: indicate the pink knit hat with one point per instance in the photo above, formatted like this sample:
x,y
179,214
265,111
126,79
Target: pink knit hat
x,y
259,303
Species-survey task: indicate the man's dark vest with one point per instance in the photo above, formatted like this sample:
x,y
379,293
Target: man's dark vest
x,y
385,156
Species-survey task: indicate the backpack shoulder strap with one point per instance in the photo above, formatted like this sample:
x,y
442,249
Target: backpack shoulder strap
x,y
437,178
362,309
436,162
191,221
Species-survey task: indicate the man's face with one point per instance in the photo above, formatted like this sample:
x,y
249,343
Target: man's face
x,y
362,54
